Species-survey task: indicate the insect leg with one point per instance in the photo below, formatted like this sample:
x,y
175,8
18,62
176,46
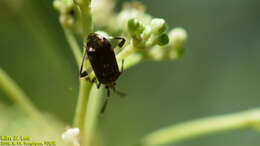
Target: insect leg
x,y
122,66
106,100
93,80
108,91
98,85
86,72
121,94
121,43
81,72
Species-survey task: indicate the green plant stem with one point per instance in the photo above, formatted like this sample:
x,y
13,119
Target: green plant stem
x,y
96,99
79,118
81,107
86,17
84,87
18,96
73,45
205,126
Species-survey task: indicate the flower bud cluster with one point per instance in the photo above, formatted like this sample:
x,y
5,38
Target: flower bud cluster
x,y
69,15
146,37
173,50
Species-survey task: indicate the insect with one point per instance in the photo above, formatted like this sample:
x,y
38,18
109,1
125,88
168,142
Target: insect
x,y
102,58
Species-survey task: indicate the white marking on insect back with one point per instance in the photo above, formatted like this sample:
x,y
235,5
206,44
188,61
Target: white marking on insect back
x,y
91,49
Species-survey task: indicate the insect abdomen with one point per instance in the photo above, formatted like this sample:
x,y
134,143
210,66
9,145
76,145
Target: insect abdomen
x,y
105,66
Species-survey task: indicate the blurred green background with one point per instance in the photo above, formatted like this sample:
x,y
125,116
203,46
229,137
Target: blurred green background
x,y
219,73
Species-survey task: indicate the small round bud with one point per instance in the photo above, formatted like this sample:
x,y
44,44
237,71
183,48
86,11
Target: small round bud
x,y
178,37
158,25
135,27
163,40
57,4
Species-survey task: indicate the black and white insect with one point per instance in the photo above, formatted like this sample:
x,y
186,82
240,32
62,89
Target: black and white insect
x,y
103,61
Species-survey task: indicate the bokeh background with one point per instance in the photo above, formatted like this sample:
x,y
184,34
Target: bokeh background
x,y
219,73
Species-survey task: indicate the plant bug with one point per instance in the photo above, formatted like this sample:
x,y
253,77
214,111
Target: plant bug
x,y
102,58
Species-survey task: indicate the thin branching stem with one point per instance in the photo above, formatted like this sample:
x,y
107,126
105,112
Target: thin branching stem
x,y
73,45
201,127
18,96
128,50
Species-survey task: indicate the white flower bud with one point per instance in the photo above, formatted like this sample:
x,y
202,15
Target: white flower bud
x,y
102,11
178,37
158,25
71,136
